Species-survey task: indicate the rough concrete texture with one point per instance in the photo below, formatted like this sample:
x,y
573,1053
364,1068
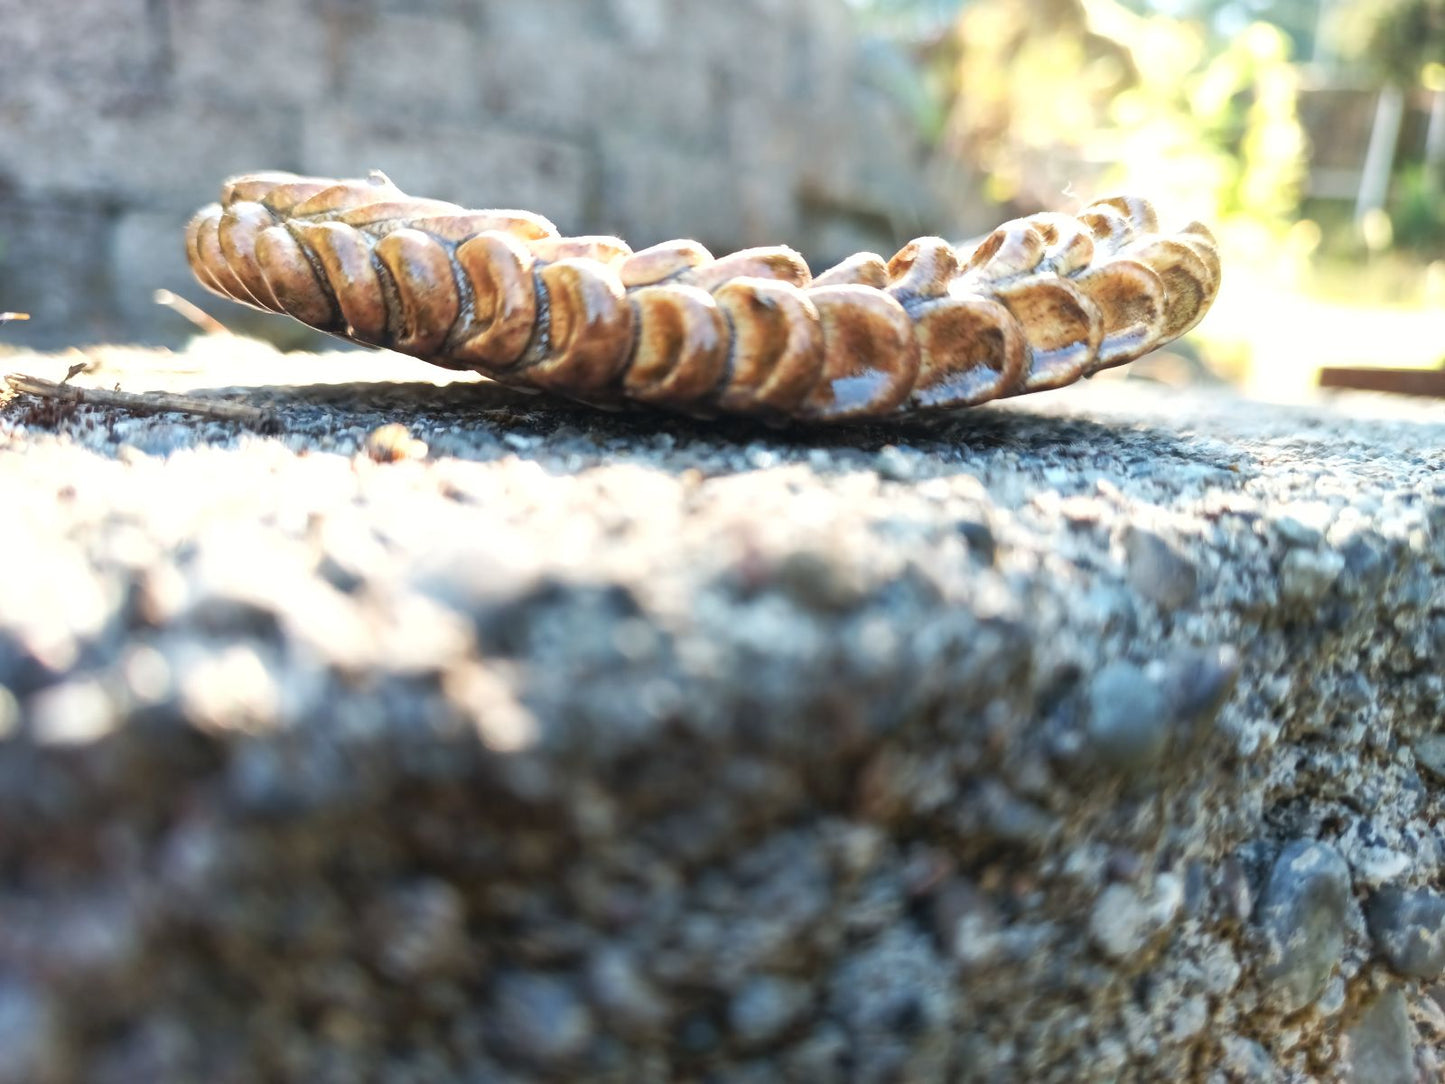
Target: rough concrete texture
x,y
746,122
1091,737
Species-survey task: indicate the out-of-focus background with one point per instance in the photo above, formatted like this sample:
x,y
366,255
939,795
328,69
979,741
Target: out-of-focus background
x,y
1311,133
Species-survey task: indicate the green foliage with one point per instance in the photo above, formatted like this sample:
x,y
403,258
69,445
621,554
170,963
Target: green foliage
x,y
1050,95
1244,102
1298,20
1395,39
1402,42
1417,209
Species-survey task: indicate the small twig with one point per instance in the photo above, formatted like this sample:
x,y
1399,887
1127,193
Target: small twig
x,y
194,313
153,402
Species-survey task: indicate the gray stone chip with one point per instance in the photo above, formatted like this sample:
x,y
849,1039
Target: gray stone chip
x,y
1380,1047
1303,917
540,1019
1408,926
1306,576
1128,724
1158,569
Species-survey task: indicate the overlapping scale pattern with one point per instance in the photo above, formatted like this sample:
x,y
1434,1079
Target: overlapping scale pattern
x,y
1037,304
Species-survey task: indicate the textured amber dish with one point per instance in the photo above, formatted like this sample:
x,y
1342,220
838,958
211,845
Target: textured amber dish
x,y
1037,304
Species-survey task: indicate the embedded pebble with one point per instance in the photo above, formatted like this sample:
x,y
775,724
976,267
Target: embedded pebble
x,y
1158,569
896,998
1135,714
622,994
29,1036
1247,1060
1303,523
897,464
1306,576
1123,921
1408,926
765,1008
1303,916
1367,563
1129,719
820,581
420,930
1333,999
1380,1047
1197,682
1233,893
981,540
1430,754
540,1018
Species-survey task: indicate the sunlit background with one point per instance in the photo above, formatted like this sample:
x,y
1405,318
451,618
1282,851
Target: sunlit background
x,y
1310,133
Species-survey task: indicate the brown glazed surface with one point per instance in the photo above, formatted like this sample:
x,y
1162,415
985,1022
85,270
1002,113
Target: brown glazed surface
x,y
1037,304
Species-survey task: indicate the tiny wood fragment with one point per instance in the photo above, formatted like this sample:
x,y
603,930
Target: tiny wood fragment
x,y
1039,303
1429,382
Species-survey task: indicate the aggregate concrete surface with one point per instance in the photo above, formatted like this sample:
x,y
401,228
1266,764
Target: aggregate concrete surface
x,y
443,734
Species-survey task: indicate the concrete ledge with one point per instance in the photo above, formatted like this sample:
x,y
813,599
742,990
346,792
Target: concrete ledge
x,y
1090,738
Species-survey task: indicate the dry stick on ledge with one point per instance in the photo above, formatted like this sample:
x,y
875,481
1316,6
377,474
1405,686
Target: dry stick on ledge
x,y
144,403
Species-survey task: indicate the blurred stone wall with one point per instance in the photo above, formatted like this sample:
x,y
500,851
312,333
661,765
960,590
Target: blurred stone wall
x,y
745,122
